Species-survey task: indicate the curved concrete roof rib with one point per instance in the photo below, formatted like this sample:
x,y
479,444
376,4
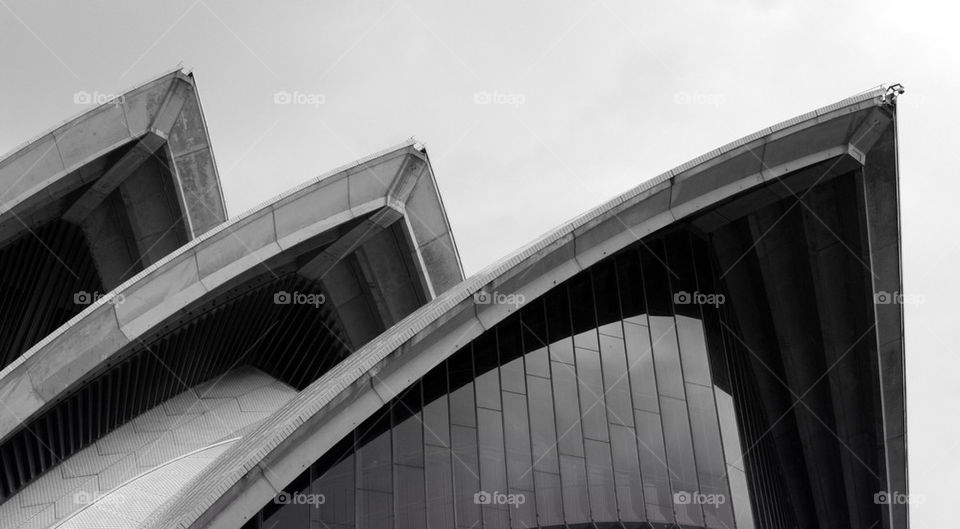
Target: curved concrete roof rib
x,y
394,185
247,475
163,110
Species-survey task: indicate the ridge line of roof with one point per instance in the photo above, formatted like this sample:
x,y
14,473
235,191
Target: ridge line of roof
x,y
149,471
213,156
317,179
592,212
79,114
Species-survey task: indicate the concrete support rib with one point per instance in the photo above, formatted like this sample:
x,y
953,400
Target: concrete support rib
x,y
788,287
383,264
318,267
833,244
882,229
867,134
149,200
148,144
118,172
332,263
238,484
755,323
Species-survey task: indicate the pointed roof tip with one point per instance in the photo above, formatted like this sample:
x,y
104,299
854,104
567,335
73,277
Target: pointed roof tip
x,y
184,70
414,142
411,142
892,91
177,69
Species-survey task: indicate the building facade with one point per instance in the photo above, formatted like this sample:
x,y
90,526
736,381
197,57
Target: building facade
x,y
720,347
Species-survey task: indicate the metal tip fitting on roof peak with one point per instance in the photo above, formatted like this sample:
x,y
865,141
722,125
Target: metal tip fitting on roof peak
x,y
893,91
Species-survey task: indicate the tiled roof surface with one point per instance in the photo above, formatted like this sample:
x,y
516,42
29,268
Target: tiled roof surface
x,y
190,421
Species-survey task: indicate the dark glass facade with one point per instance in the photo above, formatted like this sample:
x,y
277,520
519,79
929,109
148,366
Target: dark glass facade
x,y
604,401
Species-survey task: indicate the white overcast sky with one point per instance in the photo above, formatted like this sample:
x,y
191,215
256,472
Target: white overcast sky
x,y
590,99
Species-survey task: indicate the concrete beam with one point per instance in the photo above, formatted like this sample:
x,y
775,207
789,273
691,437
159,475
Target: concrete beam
x,y
793,312
867,134
320,266
368,298
391,278
144,148
112,244
880,191
374,289
113,177
150,205
832,236
756,336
